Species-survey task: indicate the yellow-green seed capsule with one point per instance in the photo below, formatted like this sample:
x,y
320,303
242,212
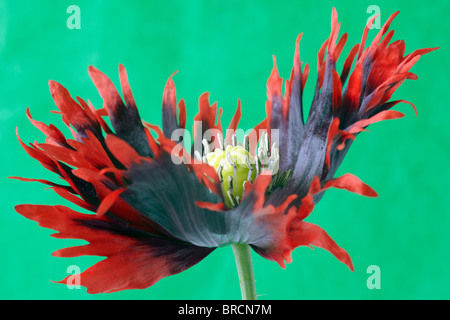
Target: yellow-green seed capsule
x,y
237,166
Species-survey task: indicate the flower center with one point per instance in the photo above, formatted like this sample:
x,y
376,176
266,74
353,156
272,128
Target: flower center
x,y
236,167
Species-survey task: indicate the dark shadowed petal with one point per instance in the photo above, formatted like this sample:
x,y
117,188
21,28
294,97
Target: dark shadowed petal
x,y
285,114
173,196
166,193
340,110
310,152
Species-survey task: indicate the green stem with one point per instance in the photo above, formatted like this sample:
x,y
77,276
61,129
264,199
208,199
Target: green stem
x,y
243,257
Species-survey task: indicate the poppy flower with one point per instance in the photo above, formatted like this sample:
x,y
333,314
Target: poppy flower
x,y
161,203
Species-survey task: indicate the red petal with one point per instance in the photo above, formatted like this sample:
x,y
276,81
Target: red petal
x,y
234,123
350,183
337,91
50,131
305,75
303,233
335,135
131,262
122,150
384,66
212,206
207,117
126,90
111,98
383,30
348,63
170,95
351,99
290,231
340,45
169,109
274,93
383,115
109,201
182,114
364,36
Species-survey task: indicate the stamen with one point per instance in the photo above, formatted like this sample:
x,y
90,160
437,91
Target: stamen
x,y
232,199
219,172
230,183
234,140
246,143
263,149
206,148
235,165
274,160
228,157
220,139
257,165
235,179
267,144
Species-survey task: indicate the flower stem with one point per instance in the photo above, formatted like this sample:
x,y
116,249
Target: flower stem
x,y
243,257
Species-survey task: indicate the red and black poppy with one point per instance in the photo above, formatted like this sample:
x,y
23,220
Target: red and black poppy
x,y
156,212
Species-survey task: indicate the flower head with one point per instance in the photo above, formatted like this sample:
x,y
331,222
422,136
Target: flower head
x,y
158,208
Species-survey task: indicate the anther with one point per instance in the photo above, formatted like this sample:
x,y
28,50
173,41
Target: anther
x,y
230,183
219,172
230,161
232,199
234,140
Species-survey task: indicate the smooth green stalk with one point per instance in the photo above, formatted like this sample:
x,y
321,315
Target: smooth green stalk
x,y
243,257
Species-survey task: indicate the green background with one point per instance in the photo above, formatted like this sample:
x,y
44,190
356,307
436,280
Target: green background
x,y
226,48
